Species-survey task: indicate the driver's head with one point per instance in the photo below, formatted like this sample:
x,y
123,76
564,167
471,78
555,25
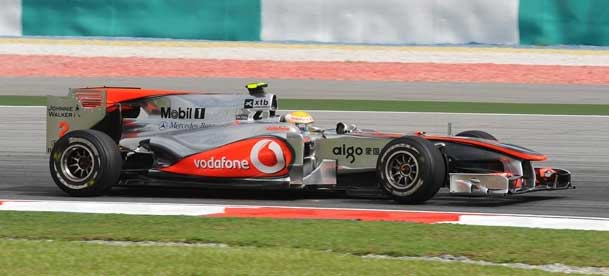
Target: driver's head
x,y
301,119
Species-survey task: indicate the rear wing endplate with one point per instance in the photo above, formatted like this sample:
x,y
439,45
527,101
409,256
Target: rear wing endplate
x,y
81,109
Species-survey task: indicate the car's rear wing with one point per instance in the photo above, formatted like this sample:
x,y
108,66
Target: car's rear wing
x,y
101,108
80,109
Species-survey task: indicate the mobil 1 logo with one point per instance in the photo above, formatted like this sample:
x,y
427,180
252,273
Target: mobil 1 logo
x,y
188,113
255,103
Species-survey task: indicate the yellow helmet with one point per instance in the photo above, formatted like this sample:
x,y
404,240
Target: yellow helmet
x,y
299,117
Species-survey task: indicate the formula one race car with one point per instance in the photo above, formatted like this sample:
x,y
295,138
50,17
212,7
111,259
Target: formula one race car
x,y
105,136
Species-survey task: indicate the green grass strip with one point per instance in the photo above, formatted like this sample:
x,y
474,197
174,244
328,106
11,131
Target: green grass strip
x,y
495,244
23,100
409,106
19,257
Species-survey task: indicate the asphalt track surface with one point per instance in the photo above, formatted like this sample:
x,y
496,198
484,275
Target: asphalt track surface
x,y
578,143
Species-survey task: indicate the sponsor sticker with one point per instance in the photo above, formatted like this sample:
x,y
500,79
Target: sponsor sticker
x,y
256,103
64,127
177,125
256,157
278,128
187,113
242,116
222,163
63,111
351,152
267,156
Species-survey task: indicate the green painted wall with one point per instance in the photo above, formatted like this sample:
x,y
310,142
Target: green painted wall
x,y
541,22
184,19
574,22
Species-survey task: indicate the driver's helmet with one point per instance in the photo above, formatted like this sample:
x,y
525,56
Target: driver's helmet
x,y
301,119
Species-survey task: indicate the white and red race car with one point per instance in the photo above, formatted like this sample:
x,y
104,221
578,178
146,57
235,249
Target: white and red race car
x,y
105,136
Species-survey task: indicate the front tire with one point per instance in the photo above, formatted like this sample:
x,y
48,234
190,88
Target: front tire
x,y
85,163
411,169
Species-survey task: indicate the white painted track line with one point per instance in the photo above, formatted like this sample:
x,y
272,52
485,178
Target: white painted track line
x,y
163,209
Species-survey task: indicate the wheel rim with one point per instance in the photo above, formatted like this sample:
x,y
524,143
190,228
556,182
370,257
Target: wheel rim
x,y
77,163
402,170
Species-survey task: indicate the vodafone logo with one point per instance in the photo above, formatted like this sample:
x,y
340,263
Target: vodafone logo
x,y
221,163
249,158
266,156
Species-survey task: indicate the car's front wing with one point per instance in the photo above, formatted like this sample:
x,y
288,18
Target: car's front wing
x,y
504,184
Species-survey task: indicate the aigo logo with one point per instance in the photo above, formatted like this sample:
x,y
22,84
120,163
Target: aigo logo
x,y
267,156
255,157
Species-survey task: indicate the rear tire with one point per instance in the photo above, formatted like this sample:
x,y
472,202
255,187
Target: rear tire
x,y
85,163
411,169
477,134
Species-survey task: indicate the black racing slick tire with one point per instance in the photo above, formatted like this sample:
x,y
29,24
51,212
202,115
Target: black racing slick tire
x,y
411,169
477,134
85,163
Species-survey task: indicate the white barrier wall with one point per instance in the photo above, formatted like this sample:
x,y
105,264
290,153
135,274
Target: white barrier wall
x,y
391,21
10,17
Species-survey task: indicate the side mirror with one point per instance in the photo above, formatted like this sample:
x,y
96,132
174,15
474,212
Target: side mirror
x,y
341,128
